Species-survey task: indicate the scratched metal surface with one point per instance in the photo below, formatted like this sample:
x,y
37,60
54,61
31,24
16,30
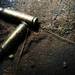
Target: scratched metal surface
x,y
44,54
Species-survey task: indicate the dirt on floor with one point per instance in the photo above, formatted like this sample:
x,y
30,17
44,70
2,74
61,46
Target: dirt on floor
x,y
50,50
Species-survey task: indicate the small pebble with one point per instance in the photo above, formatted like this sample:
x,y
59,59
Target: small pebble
x,y
64,64
11,56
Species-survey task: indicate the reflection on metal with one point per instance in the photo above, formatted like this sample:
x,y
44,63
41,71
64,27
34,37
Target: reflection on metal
x,y
19,15
1,9
17,31
27,20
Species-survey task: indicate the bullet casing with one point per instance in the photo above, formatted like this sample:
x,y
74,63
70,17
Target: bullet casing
x,y
17,31
19,15
26,21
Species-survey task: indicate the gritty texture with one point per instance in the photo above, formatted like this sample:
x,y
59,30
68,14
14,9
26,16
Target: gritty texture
x,y
44,54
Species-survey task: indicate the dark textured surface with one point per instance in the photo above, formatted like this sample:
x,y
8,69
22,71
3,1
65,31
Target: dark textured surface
x,y
44,54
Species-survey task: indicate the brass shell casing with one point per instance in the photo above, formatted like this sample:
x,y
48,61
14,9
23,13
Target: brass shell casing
x,y
19,15
14,34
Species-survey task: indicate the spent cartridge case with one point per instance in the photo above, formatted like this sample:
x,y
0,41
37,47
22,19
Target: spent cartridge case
x,y
17,31
19,15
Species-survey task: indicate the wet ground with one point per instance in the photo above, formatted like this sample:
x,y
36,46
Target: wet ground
x,y
45,52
